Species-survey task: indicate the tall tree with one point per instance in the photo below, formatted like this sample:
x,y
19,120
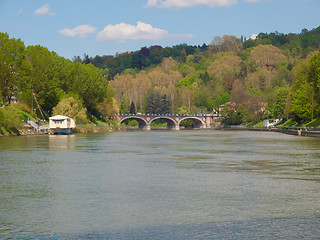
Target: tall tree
x,y
43,80
157,103
12,64
133,108
123,104
303,99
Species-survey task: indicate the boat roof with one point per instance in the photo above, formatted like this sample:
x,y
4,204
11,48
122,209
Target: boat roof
x,y
59,117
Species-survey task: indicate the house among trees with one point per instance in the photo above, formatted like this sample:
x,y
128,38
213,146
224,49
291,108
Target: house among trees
x,y
61,125
14,100
270,122
230,105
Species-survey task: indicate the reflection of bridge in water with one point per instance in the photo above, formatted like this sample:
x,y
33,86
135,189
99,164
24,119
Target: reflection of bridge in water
x,y
173,120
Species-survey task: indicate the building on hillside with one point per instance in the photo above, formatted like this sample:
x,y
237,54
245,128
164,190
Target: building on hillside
x,y
118,54
270,122
14,100
61,125
230,105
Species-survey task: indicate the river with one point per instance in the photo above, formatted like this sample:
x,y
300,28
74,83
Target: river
x,y
193,184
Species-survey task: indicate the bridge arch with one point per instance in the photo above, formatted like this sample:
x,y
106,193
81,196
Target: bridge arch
x,y
171,124
197,123
143,124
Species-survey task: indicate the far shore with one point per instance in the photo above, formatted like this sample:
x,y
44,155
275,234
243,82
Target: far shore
x,y
94,128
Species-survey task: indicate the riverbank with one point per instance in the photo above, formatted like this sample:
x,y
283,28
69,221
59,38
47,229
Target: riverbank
x,y
297,131
105,128
28,130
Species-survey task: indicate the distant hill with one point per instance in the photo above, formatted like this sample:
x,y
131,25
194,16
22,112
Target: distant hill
x,y
291,44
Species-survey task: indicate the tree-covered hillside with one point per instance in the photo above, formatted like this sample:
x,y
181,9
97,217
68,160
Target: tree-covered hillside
x,y
258,78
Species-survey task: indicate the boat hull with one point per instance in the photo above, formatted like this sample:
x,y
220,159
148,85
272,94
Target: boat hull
x,y
61,131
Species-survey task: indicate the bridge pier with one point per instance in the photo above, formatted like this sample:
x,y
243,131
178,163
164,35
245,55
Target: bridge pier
x,y
145,127
174,126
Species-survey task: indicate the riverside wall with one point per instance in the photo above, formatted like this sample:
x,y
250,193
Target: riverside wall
x,y
298,131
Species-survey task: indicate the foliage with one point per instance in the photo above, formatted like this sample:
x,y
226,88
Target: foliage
x,y
277,108
11,119
221,99
314,123
288,123
132,108
12,66
71,107
157,103
141,59
109,109
305,103
232,117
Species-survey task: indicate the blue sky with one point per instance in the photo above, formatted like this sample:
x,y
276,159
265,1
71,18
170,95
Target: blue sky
x,y
104,27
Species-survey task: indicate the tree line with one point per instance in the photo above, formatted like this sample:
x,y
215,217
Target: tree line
x,y
138,60
268,77
33,73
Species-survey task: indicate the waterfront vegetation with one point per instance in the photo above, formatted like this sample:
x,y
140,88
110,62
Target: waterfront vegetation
x,y
274,76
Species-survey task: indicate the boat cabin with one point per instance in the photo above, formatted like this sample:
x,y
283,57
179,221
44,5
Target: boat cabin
x,y
61,125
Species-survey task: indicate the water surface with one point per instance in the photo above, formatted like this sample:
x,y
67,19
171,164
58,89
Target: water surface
x,y
160,185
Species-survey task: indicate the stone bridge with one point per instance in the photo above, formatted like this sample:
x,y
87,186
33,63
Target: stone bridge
x,y
173,120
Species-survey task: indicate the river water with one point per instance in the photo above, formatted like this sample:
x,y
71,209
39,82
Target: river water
x,y
160,185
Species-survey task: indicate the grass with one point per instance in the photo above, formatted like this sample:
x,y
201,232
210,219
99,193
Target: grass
x,y
288,123
253,124
27,116
313,123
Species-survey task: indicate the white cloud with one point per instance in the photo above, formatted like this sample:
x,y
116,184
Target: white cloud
x,y
252,1
80,31
123,32
190,3
44,10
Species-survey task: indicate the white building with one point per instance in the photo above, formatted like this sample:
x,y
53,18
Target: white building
x,y
61,124
270,122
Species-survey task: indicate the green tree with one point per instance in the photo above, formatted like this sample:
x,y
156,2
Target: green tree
x,y
12,66
133,108
232,116
11,119
109,108
157,103
304,101
277,108
314,75
205,77
88,82
183,55
71,107
123,104
221,99
43,79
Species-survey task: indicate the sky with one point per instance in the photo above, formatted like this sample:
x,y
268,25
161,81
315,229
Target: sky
x,y
104,27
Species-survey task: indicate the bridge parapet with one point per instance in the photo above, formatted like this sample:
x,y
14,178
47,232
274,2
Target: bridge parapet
x,y
172,114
